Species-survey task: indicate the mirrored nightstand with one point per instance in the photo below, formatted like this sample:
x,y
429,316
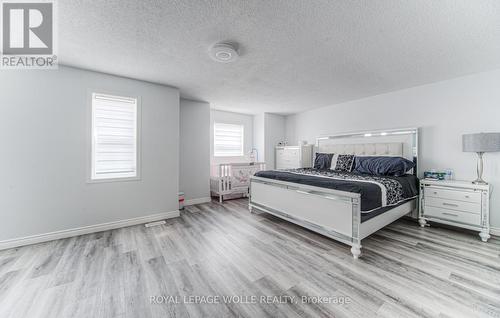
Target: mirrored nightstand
x,y
457,203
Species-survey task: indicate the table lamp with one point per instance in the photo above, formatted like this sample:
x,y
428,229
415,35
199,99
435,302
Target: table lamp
x,y
481,143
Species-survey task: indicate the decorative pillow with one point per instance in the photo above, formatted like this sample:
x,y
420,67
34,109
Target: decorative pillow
x,y
342,163
383,166
323,161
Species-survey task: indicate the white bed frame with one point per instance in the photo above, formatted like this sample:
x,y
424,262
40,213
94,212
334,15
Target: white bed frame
x,y
333,213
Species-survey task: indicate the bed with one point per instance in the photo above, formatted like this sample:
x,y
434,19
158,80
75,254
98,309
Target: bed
x,y
344,206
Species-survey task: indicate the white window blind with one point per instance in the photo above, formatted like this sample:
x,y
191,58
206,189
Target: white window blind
x,y
114,137
228,140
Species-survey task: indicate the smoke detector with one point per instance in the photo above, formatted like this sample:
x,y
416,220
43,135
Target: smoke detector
x,y
224,52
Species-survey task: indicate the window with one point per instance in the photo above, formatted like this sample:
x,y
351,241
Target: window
x,y
228,140
114,137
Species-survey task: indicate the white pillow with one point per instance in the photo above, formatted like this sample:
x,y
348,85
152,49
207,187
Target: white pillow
x,y
334,161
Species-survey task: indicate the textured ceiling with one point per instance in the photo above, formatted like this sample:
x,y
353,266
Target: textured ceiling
x,y
295,54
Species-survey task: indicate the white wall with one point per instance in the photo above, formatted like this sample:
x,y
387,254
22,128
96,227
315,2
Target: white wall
x,y
444,110
274,133
259,138
269,130
194,150
232,118
45,145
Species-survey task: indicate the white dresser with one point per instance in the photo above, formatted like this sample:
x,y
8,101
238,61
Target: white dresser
x,y
291,157
457,203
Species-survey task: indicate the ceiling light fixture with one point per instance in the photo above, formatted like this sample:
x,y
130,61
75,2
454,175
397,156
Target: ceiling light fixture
x,y
224,52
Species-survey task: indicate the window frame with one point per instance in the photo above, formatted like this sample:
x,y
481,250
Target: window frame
x,y
90,134
242,140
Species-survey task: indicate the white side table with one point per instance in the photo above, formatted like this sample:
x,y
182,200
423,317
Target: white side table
x,y
458,203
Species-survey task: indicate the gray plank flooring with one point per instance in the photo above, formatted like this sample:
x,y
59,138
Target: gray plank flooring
x,y
223,250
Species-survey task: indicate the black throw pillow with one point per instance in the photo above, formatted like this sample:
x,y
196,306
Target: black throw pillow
x,y
323,161
383,166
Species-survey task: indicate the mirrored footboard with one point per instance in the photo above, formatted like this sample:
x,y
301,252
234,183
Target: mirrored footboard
x,y
332,213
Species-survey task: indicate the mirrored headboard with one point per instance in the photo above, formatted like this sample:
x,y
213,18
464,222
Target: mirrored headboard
x,y
388,142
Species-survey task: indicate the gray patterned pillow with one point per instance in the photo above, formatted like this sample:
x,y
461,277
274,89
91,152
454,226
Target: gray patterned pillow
x,y
343,163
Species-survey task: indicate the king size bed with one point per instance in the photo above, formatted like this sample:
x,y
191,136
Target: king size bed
x,y
352,191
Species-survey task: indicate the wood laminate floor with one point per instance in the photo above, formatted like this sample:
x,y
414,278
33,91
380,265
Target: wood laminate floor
x,y
217,250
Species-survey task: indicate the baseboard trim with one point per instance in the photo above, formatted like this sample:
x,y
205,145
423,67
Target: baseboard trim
x,y
495,231
46,237
197,201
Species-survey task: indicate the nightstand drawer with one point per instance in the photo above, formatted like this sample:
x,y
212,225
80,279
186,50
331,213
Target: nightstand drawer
x,y
452,215
466,196
453,205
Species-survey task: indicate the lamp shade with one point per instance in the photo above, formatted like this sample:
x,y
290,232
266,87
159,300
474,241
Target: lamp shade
x,y
482,142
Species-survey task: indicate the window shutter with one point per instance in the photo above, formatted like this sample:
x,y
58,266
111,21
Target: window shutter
x,y
114,134
228,140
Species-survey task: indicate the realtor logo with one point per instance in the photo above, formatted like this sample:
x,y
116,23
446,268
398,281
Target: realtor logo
x,y
28,35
